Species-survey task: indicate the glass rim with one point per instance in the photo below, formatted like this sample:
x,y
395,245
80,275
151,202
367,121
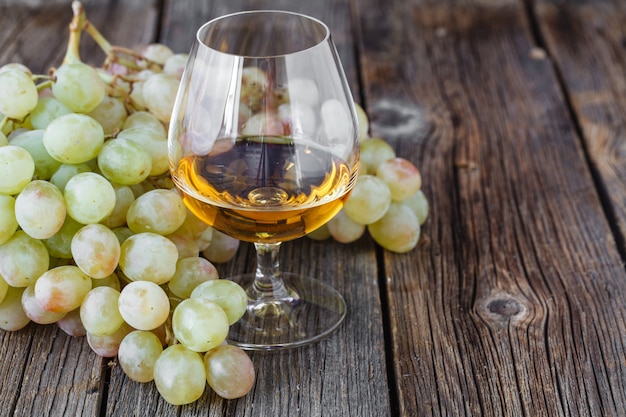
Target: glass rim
x,y
312,19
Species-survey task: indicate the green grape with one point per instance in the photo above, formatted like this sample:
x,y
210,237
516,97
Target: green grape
x,y
96,250
142,188
33,309
362,170
175,65
190,272
186,246
343,229
12,315
336,120
138,354
32,141
364,125
124,197
148,256
40,209
375,151
111,281
59,245
3,139
71,324
79,87
159,93
47,109
157,52
158,211
144,119
4,287
193,227
136,95
261,124
89,197
17,171
402,177
73,138
203,239
144,305
99,313
230,296
117,87
123,161
179,375
62,289
369,200
23,259
62,175
16,66
229,371
153,142
199,324
8,222
303,90
16,132
419,204
108,345
253,85
18,94
111,114
298,116
398,230
123,233
222,248
321,233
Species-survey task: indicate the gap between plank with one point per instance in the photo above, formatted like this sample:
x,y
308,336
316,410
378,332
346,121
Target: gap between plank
x,y
392,385
603,193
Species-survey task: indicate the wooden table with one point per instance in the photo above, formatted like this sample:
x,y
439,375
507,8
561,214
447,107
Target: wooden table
x,y
514,302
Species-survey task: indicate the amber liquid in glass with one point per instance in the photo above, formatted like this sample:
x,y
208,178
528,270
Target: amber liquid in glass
x,y
264,189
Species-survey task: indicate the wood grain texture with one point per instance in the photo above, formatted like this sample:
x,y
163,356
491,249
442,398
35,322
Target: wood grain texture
x,y
514,306
587,41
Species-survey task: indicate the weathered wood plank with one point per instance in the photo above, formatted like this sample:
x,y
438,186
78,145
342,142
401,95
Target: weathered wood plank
x,y
37,36
513,307
344,375
34,37
587,41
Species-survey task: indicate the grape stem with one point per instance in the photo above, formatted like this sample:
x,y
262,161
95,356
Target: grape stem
x,y
72,55
46,84
112,52
80,23
4,123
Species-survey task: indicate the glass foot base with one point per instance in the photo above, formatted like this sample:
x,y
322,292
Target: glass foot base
x,y
309,312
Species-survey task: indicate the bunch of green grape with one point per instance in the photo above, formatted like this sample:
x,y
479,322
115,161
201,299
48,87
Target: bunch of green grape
x,y
94,236
387,199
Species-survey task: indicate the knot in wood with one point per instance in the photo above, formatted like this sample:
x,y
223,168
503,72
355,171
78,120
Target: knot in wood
x,y
502,307
506,307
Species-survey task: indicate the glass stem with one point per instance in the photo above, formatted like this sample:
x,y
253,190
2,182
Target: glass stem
x,y
268,282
